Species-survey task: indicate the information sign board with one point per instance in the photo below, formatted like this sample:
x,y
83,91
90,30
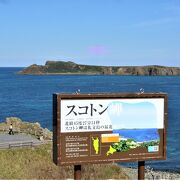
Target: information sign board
x,y
96,128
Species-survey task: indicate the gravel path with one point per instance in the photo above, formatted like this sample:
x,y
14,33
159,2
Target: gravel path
x,y
16,137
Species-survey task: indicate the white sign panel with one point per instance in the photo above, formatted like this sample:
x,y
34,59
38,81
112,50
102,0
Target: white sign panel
x,y
111,114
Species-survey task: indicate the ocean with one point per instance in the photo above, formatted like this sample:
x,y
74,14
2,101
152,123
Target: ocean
x,y
29,97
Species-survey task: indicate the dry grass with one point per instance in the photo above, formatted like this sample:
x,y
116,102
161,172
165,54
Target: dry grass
x,y
103,171
36,163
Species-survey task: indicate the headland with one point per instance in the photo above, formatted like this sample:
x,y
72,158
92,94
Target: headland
x,y
69,67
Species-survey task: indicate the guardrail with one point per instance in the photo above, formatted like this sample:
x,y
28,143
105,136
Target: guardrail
x,y
10,145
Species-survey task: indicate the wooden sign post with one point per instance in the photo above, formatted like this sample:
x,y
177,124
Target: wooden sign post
x,y
104,128
141,167
77,172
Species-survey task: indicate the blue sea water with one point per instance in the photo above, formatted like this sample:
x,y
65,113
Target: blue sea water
x,y
30,97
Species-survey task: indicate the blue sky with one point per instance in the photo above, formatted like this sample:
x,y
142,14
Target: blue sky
x,y
98,32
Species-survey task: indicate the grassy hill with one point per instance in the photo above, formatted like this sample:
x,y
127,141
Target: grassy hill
x,y
36,163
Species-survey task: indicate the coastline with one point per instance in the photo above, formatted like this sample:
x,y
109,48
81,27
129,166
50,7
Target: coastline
x,y
91,74
68,73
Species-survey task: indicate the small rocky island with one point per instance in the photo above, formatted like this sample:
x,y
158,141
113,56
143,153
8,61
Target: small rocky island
x,y
62,67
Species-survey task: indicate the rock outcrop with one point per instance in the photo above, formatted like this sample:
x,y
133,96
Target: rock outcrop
x,y
61,67
20,126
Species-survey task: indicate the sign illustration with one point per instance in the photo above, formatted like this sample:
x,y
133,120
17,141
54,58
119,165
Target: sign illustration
x,y
96,144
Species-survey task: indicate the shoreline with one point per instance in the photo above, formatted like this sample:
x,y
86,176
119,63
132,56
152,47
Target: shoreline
x,y
92,74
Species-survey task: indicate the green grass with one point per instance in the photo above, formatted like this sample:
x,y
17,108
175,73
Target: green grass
x,y
36,163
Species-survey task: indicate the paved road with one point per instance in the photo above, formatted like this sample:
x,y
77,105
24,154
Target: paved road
x,y
6,139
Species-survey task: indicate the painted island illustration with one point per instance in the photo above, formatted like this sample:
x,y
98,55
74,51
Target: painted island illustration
x,y
134,125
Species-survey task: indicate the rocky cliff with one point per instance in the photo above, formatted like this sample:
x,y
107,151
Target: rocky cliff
x,y
62,67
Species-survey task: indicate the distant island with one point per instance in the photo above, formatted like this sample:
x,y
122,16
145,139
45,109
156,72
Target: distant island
x,y
69,67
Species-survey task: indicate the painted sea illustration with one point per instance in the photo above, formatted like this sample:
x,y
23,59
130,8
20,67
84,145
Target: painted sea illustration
x,y
139,135
137,125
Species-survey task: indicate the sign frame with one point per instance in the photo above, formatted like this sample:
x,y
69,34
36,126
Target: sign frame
x,y
57,135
